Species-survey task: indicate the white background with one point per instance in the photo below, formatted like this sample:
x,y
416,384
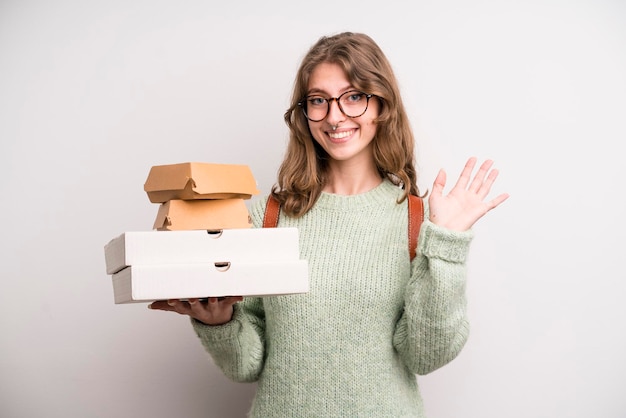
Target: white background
x,y
92,94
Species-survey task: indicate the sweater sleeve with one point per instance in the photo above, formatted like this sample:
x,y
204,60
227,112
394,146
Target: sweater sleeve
x,y
433,327
238,346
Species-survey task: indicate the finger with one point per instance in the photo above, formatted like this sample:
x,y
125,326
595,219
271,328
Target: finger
x,y
160,305
218,307
219,304
439,184
480,176
485,187
197,307
180,306
466,174
213,305
498,200
231,300
171,305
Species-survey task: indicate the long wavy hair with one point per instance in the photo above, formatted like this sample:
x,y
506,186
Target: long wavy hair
x,y
304,170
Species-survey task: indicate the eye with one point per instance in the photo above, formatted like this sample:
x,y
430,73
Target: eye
x,y
354,97
316,100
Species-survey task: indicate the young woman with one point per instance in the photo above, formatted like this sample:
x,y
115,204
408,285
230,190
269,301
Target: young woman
x,y
373,318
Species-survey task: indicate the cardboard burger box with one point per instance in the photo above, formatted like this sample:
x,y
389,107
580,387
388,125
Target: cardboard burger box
x,y
154,265
175,215
193,180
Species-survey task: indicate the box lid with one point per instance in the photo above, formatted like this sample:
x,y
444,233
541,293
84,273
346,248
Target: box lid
x,y
187,246
196,180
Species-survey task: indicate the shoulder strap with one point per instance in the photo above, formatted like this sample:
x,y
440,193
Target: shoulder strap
x,y
272,211
416,217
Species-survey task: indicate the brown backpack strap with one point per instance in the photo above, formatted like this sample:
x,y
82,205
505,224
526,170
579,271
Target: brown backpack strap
x,y
416,217
272,211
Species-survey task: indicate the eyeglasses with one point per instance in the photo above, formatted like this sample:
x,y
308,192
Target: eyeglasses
x,y
352,103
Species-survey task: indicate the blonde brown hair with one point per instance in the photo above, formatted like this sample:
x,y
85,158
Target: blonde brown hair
x,y
303,172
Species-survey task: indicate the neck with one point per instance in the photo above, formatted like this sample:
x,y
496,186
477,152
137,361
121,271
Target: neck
x,y
347,180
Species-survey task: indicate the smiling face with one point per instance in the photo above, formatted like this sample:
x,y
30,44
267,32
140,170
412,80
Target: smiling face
x,y
351,140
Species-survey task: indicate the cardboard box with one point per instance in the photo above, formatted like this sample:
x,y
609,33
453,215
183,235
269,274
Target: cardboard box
x,y
254,245
190,181
175,215
146,283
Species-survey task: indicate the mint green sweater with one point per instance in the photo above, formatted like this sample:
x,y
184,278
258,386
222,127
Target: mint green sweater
x,y
371,321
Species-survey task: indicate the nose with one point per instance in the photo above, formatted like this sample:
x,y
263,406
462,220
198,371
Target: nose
x,y
335,114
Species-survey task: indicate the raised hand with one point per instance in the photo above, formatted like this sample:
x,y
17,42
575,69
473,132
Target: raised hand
x,y
215,311
465,203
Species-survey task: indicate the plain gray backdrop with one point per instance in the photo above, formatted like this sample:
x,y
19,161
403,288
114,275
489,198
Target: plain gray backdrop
x,y
92,94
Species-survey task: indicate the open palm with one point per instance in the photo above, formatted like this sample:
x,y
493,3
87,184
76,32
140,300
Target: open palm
x,y
465,203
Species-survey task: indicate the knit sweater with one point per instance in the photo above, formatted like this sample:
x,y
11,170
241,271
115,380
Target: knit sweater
x,y
372,320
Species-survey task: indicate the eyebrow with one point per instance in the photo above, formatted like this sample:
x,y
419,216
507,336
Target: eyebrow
x,y
321,91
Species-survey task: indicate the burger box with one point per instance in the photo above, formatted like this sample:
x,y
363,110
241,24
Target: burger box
x,y
253,245
176,215
150,282
190,181
155,265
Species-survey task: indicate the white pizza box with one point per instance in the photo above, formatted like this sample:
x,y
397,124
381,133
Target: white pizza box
x,y
201,246
146,283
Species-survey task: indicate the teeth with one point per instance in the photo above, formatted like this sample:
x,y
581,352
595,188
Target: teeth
x,y
340,135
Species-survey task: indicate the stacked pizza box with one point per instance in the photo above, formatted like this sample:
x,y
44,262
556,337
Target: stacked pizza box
x,y
202,243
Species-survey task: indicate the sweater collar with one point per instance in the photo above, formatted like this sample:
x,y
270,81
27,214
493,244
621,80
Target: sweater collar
x,y
380,194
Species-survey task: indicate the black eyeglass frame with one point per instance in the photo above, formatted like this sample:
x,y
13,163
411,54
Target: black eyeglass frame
x,y
302,104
